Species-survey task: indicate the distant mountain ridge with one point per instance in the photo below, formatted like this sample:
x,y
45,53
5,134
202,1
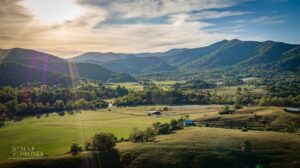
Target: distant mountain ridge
x,y
223,58
233,54
43,65
99,57
136,65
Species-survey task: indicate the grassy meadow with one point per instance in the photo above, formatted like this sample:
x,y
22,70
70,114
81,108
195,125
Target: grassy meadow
x,y
216,145
55,133
129,85
137,86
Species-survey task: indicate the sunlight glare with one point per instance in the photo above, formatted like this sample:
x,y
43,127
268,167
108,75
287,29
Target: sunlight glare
x,y
53,11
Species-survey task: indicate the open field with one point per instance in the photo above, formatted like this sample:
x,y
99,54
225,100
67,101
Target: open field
x,y
54,134
127,85
231,90
137,86
166,84
191,146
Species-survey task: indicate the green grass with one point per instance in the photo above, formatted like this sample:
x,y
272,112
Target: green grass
x,y
54,134
166,85
128,85
231,90
137,86
186,146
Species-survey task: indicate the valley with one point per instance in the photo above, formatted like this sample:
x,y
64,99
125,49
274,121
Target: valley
x,y
197,104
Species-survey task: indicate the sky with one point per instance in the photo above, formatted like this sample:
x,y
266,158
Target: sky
x,y
68,28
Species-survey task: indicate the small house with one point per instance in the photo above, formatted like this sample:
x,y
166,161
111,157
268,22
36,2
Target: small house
x,y
154,113
292,110
188,122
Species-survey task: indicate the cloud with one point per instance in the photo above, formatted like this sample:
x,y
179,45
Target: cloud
x,y
118,26
216,15
156,8
262,20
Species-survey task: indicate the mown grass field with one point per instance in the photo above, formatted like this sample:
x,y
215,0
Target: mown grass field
x,y
54,134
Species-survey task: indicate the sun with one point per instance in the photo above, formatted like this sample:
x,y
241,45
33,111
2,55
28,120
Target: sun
x,y
53,11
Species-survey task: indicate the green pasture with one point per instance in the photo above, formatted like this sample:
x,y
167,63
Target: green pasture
x,y
54,133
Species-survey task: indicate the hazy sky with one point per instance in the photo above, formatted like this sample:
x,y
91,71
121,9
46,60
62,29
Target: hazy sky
x,y
71,27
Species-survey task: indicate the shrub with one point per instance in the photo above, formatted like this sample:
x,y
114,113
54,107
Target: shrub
x,y
246,146
291,127
244,129
156,125
225,110
165,109
150,134
75,149
176,124
164,128
137,135
102,142
238,89
143,136
1,123
237,106
126,158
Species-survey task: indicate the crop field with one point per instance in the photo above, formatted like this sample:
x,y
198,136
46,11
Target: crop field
x,y
55,133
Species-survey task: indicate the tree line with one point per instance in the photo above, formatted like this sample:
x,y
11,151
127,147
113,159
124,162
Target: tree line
x,y
24,101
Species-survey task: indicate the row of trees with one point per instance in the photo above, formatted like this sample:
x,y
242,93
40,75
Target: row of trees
x,y
157,128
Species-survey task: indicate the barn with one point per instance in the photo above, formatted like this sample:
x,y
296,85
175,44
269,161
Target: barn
x,y
151,113
188,122
292,110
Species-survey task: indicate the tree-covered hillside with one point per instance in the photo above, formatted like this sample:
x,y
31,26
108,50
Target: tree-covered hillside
x,y
139,65
42,63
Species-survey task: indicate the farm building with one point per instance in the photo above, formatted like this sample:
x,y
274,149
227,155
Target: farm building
x,y
188,122
292,109
154,113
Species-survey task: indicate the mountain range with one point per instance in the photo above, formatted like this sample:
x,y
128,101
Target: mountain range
x,y
19,66
227,54
224,58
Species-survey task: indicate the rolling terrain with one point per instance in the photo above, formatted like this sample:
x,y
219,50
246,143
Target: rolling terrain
x,y
189,147
48,67
225,57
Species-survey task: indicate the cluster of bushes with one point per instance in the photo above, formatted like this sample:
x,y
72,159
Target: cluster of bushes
x,y
99,142
157,128
226,110
193,85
